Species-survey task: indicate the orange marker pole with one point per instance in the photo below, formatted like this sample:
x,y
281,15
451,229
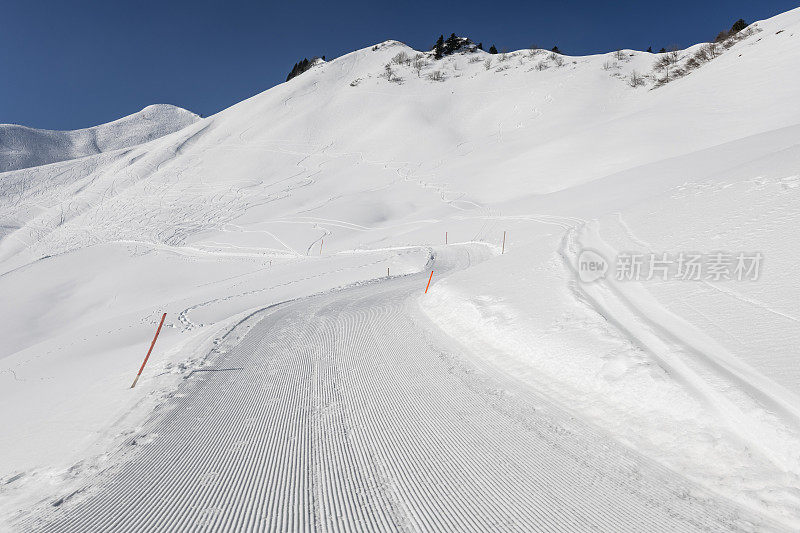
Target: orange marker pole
x,y
146,357
504,243
445,237
429,282
320,246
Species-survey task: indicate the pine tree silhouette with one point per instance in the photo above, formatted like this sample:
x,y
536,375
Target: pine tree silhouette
x,y
299,68
738,26
438,48
452,44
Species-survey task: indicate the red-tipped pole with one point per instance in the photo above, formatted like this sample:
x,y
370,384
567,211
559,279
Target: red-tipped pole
x,y
429,282
445,237
146,357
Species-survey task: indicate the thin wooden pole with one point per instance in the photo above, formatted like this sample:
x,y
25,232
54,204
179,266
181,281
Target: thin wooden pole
x,y
146,357
504,243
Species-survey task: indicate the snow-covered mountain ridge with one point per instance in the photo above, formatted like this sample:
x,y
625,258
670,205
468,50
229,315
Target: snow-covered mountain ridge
x,y
23,147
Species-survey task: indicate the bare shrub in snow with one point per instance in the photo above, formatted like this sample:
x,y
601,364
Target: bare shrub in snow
x,y
541,65
741,35
673,56
711,50
635,79
474,59
663,64
389,74
487,63
619,55
557,59
701,55
609,65
436,75
400,58
739,31
751,30
419,63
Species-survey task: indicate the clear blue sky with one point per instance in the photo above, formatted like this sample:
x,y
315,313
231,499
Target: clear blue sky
x,y
72,64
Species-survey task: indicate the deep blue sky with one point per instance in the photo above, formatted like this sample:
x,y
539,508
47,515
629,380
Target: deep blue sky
x,y
72,64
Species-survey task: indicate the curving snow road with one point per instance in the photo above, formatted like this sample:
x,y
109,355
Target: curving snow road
x,y
348,412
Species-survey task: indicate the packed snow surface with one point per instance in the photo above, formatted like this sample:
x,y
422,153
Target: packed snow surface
x,y
304,378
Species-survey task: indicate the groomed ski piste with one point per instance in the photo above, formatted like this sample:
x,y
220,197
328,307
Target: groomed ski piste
x,y
306,380
342,413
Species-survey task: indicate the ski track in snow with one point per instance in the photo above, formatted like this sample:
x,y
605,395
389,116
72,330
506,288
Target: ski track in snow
x,y
341,412
724,290
741,396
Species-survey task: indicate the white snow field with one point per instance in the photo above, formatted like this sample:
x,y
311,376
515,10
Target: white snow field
x,y
296,387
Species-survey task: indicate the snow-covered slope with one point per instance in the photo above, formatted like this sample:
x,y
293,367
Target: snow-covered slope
x,y
23,147
352,168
